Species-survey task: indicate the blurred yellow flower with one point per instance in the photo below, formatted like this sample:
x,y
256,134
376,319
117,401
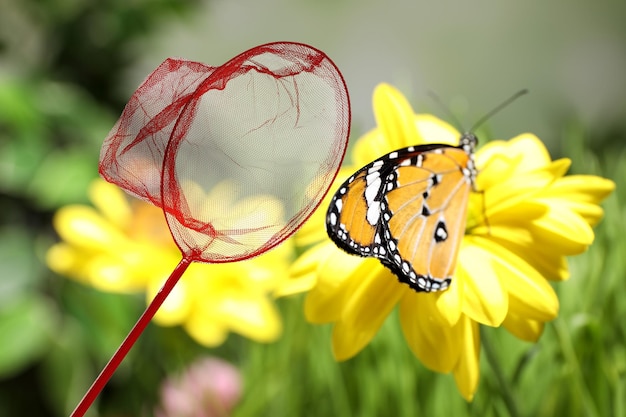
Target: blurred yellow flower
x,y
124,245
522,224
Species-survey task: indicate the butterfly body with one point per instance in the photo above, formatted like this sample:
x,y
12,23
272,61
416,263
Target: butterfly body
x,y
408,209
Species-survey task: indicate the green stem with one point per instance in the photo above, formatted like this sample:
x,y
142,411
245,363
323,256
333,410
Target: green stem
x,y
503,383
573,366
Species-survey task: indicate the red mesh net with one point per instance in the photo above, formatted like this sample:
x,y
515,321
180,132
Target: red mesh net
x,y
238,156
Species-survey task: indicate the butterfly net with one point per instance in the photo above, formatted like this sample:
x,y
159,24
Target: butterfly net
x,y
237,156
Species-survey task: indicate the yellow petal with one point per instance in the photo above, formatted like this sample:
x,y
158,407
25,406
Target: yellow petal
x,y
110,273
591,213
148,226
294,286
370,146
434,130
484,298
467,371
430,129
364,312
583,188
523,328
82,226
544,307
111,201
314,229
495,149
434,342
176,307
252,316
561,230
303,271
204,331
61,258
449,303
309,261
394,116
515,216
563,227
534,152
579,194
530,295
68,260
337,279
267,271
521,154
506,194
550,265
495,164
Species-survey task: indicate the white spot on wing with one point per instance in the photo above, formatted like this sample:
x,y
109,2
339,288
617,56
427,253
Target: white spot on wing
x,y
339,204
373,213
371,191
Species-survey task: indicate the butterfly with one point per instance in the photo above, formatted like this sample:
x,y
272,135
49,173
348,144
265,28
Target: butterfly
x,y
408,209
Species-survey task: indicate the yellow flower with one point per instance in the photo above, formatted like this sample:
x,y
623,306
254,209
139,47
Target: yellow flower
x,y
124,245
526,218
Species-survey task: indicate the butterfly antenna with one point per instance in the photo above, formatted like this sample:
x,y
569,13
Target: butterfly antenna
x,y
498,108
438,100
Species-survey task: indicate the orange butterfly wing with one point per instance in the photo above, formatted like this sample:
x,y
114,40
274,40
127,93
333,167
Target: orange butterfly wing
x,y
408,209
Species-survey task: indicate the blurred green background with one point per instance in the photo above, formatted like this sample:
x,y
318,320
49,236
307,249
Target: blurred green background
x,y
67,67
